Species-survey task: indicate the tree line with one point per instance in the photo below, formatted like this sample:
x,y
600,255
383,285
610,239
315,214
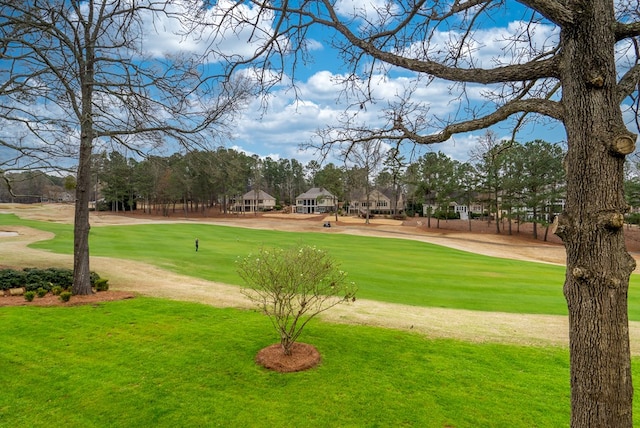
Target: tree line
x,y
523,182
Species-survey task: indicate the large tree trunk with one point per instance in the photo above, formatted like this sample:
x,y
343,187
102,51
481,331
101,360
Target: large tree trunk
x,y
598,265
81,271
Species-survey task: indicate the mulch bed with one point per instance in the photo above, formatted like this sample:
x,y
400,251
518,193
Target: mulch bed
x,y
303,357
51,300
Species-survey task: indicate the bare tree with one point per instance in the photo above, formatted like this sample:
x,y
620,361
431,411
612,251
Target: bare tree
x,y
75,72
367,157
581,73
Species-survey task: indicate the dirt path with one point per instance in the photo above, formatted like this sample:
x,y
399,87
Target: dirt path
x,y
538,330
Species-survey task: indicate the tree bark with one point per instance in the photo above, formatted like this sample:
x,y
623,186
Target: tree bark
x,y
81,270
598,265
81,276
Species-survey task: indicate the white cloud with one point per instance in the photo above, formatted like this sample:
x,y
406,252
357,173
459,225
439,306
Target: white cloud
x,y
373,12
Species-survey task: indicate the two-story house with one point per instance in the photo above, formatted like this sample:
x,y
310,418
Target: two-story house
x,y
255,201
379,201
316,200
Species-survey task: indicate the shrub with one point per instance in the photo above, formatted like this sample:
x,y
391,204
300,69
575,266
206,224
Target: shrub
x,y
11,278
102,284
41,292
59,276
65,296
446,215
293,286
29,295
33,278
46,278
56,290
93,278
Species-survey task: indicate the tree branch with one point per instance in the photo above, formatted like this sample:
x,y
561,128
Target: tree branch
x,y
545,107
629,82
553,10
625,31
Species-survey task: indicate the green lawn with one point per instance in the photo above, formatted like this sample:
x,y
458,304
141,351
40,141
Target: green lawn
x,y
151,362
385,269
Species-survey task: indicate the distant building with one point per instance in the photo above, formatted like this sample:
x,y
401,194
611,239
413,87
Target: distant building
x,y
316,200
255,201
379,201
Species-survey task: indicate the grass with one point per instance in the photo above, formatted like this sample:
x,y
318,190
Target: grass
x,y
385,269
151,362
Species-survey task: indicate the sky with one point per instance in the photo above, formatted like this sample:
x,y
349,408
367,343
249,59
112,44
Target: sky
x,y
291,120
278,131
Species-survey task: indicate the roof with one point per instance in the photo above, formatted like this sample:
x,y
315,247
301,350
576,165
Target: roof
x,y
260,194
315,192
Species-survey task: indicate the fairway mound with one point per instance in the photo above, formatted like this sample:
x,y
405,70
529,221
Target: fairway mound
x,y
303,357
51,300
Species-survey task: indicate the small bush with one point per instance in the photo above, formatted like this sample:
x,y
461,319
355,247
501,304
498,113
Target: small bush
x,y
29,295
56,290
93,278
65,296
41,292
102,284
446,215
294,285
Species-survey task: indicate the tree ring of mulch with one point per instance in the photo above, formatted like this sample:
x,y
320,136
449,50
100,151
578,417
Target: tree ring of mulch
x,y
303,357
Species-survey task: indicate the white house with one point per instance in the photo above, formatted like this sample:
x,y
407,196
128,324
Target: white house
x,y
254,201
316,200
378,201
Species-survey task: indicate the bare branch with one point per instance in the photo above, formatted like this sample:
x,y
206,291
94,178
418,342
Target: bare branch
x,y
626,31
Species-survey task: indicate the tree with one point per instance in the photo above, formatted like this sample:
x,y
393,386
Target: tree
x,y
117,184
294,285
332,178
468,178
395,166
539,177
84,61
490,155
438,181
366,157
230,173
579,73
632,184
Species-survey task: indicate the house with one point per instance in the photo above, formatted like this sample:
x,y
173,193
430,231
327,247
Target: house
x,y
316,200
380,201
254,201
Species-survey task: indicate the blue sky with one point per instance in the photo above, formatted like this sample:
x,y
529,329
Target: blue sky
x,y
278,131
288,121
